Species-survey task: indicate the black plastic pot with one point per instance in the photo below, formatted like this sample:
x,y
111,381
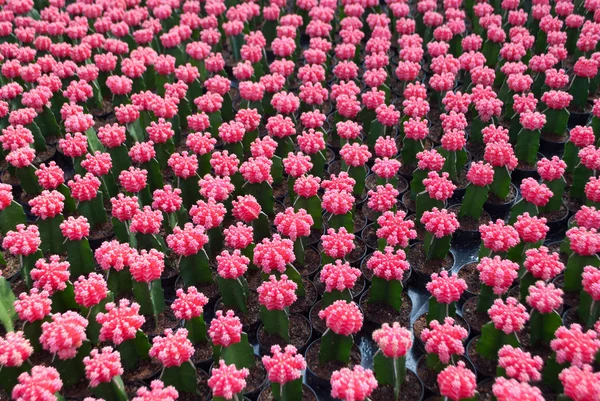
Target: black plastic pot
x,y
551,148
576,119
558,226
305,389
319,384
263,350
501,211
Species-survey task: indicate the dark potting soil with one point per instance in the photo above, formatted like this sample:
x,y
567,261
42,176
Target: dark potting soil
x,y
541,350
494,200
325,370
410,204
429,376
316,322
280,190
267,394
369,235
411,390
11,267
202,388
468,223
526,166
483,366
146,369
257,377
202,352
470,274
421,323
166,320
44,156
475,319
254,278
299,331
6,178
78,390
418,261
103,231
356,255
570,299
252,315
312,260
556,215
484,388
384,313
210,290
570,317
573,204
418,228
477,150
303,304
556,138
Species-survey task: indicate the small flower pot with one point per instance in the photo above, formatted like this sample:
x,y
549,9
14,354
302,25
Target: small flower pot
x,y
412,389
526,171
377,314
470,274
100,234
475,319
576,118
485,368
410,204
552,144
304,304
423,268
308,394
570,317
300,331
145,371
166,320
318,375
500,208
557,220
202,358
312,262
468,235
251,319
570,299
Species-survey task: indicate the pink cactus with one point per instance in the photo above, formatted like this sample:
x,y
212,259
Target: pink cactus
x,y
508,316
439,187
157,392
343,318
24,241
446,288
580,383
389,265
395,229
337,244
120,323
232,265
172,349
574,346
189,305
64,334
225,330
498,236
519,364
277,294
339,276
294,224
440,223
41,384
353,385
208,214
497,273
284,366
50,276
394,341
274,254
512,390
15,349
101,366
90,291
226,381
383,198
444,340
545,298
188,240
147,266
457,382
